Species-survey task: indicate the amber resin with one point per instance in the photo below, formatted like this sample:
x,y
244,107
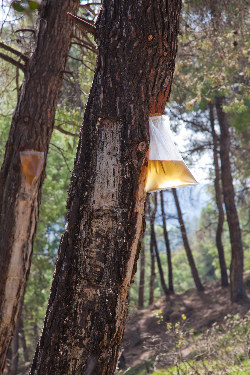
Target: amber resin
x,y
167,174
32,164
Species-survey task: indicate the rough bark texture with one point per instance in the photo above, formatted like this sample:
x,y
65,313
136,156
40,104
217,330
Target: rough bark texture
x,y
87,309
142,278
168,249
218,197
236,270
191,262
153,236
31,128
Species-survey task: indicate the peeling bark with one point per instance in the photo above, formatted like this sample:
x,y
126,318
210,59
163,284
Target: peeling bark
x,y
31,128
87,309
237,288
218,198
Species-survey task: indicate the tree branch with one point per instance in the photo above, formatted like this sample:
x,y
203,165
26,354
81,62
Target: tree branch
x,y
14,51
12,61
65,131
83,25
62,154
25,30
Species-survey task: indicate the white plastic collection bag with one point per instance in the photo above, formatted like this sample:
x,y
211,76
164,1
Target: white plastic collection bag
x,y
166,168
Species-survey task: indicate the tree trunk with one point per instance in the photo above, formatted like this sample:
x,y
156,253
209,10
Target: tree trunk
x,y
191,262
236,269
142,278
15,348
23,340
219,230
154,240
31,128
87,309
152,272
168,250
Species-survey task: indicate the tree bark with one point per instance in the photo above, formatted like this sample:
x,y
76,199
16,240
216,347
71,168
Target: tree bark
x,y
219,230
154,240
31,128
142,278
237,288
187,248
168,249
87,309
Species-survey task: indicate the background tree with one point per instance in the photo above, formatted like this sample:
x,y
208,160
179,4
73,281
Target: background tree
x,y
152,213
190,258
142,278
236,269
217,75
167,243
218,197
31,128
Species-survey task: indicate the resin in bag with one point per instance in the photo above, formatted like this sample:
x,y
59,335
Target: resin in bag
x,y
166,168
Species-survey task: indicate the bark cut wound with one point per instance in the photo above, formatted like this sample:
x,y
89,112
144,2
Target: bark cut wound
x,y
108,164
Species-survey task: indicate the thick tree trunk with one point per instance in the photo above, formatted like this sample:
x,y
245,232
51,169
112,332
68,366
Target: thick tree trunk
x,y
187,248
219,230
168,249
31,128
236,270
154,240
142,278
87,309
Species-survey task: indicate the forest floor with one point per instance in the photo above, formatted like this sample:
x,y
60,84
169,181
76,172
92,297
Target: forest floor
x,y
146,333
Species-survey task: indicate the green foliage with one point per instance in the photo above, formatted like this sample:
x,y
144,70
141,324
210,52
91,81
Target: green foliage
x,y
25,6
212,62
222,349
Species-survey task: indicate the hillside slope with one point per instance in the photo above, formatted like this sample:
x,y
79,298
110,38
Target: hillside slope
x,y
145,334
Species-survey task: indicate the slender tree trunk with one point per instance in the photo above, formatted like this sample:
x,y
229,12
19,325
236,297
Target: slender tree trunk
x,y
15,348
87,309
31,128
168,249
142,278
236,269
152,272
191,261
153,236
219,230
23,340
